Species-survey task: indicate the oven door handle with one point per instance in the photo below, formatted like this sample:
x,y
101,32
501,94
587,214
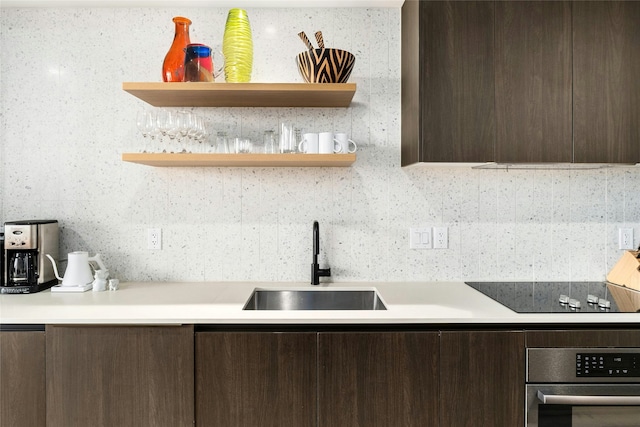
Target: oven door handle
x,y
564,399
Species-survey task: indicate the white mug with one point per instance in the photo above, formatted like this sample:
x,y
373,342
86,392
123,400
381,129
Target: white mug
x,y
309,143
326,143
344,142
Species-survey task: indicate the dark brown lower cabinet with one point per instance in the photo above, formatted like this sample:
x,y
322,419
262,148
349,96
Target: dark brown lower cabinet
x,y
378,379
120,376
256,379
144,376
482,378
22,379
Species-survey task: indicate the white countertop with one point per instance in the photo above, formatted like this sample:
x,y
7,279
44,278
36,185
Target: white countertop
x,y
222,303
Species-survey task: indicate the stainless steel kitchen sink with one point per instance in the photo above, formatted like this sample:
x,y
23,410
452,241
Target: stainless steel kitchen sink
x,y
271,299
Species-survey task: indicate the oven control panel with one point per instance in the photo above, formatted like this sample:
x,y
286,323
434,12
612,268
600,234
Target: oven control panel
x,y
607,365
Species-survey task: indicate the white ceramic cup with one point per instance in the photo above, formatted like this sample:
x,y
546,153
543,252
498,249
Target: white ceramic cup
x,y
326,143
345,143
309,143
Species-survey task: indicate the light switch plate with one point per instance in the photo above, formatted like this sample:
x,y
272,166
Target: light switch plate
x,y
420,238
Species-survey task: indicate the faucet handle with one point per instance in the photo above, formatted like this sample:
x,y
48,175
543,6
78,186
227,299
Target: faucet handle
x,y
324,272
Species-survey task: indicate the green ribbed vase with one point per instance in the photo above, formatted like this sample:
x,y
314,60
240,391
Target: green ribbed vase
x,y
237,47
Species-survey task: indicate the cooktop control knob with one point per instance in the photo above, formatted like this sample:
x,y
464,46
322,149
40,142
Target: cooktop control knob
x,y
604,303
564,299
574,303
592,299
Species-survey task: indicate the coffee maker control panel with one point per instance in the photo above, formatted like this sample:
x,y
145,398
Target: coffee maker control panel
x,y
19,237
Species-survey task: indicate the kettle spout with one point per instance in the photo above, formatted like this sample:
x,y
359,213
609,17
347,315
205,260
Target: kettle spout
x,y
55,267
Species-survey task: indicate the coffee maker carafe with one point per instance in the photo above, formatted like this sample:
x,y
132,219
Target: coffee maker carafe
x,y
25,245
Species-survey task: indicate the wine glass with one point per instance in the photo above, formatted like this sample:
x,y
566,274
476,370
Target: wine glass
x,y
183,123
200,133
172,128
145,126
162,125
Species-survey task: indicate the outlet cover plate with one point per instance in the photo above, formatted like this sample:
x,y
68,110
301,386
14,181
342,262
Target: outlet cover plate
x,y
625,238
154,238
440,237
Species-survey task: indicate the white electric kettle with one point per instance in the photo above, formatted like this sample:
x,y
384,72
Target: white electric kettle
x,y
78,271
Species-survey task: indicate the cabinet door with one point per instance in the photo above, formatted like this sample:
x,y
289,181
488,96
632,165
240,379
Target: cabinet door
x,y
22,379
533,81
584,338
378,379
447,82
119,376
256,379
606,61
482,379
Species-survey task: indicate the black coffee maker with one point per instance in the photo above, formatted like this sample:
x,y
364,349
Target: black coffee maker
x,y
26,269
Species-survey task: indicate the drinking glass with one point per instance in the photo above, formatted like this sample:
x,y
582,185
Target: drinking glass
x,y
222,145
172,129
184,122
269,141
288,143
145,126
242,145
200,135
162,126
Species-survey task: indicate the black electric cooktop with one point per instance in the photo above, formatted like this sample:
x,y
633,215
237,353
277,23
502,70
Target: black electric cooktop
x,y
561,297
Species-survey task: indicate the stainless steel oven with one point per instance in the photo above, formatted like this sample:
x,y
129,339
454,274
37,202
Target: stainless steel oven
x,y
583,387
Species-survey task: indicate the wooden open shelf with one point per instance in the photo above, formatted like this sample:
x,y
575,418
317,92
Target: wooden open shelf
x,y
240,160
194,94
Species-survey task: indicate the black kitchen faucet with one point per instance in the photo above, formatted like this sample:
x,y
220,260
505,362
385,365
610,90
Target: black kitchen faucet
x,y
316,271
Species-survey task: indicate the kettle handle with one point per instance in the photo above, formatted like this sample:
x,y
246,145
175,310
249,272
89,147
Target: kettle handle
x,y
55,267
98,260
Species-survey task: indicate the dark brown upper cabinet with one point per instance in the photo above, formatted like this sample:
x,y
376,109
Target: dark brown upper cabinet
x,y
520,81
447,82
606,70
533,81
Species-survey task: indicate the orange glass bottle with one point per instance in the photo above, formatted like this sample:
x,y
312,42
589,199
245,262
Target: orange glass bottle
x,y
173,65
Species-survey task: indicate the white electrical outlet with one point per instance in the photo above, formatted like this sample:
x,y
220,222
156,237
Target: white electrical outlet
x,y
440,237
420,238
154,238
625,238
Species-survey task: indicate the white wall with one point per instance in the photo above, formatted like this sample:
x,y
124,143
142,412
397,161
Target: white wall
x,y
66,120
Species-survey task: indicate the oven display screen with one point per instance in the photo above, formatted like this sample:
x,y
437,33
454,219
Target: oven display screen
x,y
608,364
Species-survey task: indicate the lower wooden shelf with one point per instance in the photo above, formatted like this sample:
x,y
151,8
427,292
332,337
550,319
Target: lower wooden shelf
x,y
240,160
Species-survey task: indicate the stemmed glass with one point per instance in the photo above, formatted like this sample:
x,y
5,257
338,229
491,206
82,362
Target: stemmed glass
x,y
145,124
184,123
173,128
162,124
202,132
186,131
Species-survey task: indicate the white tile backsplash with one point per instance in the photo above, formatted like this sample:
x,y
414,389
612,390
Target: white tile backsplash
x,y
65,122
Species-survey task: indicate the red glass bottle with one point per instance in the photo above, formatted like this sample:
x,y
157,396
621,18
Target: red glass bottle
x,y
173,65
